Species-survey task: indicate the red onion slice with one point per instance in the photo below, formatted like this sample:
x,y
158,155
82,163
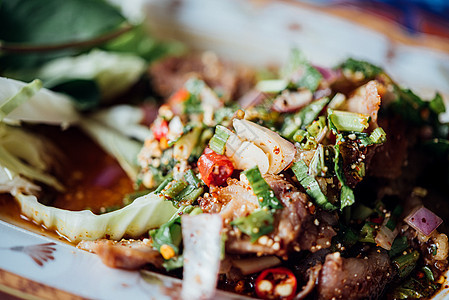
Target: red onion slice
x,y
423,220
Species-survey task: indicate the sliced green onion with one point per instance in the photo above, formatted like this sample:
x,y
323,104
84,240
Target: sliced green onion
x,y
311,186
378,136
322,162
300,135
367,233
218,142
261,188
256,224
191,196
303,118
192,179
174,189
315,128
346,195
309,113
162,186
348,121
272,85
406,263
429,273
21,97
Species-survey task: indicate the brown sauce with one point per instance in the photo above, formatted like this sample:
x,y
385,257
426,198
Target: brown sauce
x,y
92,179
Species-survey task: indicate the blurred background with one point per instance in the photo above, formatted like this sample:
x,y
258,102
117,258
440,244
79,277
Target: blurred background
x,y
414,16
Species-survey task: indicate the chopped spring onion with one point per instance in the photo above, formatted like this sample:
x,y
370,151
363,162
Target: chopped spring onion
x,y
317,126
181,192
378,136
406,263
192,179
423,220
162,186
348,121
367,233
429,273
261,189
303,118
311,186
256,224
174,189
18,99
272,85
184,146
218,141
347,195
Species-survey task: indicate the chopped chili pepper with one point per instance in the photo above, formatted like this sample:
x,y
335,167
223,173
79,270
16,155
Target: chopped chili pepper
x,y
214,168
180,96
160,129
276,283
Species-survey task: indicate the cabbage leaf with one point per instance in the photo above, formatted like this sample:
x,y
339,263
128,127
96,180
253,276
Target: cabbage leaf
x,y
114,73
146,212
124,149
24,154
42,106
126,119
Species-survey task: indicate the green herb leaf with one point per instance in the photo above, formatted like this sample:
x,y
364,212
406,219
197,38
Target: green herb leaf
x,y
38,22
296,63
46,23
399,245
256,224
437,104
262,190
406,263
368,70
311,186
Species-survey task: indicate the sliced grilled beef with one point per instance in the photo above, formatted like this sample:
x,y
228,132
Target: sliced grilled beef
x,y
354,278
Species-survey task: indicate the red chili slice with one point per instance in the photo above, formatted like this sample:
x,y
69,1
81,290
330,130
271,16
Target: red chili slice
x,y
214,168
180,96
276,283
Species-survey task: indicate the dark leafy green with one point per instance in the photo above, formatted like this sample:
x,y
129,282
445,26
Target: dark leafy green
x,y
85,91
298,64
256,224
38,22
368,70
42,23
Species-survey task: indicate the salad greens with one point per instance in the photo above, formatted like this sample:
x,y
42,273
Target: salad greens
x,y
137,218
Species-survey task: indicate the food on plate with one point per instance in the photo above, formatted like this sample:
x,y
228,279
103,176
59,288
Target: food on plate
x,y
308,183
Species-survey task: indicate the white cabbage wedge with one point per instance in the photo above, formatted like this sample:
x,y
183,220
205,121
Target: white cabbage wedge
x,y
146,212
279,151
